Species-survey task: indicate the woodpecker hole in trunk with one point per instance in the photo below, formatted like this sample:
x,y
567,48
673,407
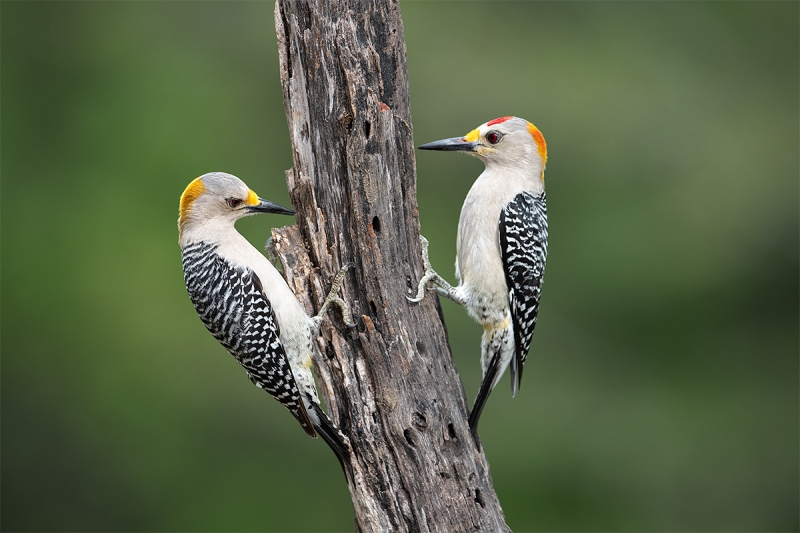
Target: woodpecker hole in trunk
x,y
479,498
376,224
407,435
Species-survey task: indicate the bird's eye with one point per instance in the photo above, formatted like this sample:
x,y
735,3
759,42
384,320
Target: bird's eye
x,y
234,202
493,137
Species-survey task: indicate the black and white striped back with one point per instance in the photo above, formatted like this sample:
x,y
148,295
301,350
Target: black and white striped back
x,y
231,303
523,246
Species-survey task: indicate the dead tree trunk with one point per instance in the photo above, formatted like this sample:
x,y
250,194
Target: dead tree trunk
x,y
390,383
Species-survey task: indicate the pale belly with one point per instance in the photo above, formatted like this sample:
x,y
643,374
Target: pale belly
x,y
479,266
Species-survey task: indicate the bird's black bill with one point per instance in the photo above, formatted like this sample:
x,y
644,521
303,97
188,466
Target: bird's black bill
x,y
265,206
456,144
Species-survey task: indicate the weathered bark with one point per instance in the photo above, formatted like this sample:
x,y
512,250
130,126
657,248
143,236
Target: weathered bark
x,y
390,383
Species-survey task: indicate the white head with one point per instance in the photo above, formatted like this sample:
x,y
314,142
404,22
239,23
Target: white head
x,y
510,142
219,198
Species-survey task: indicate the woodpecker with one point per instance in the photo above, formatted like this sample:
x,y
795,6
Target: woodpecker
x,y
501,246
246,304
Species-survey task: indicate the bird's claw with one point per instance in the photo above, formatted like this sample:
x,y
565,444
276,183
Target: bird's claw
x,y
269,250
332,298
430,276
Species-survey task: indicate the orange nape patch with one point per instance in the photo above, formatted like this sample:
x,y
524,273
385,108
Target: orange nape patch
x,y
473,135
252,198
498,121
538,138
192,193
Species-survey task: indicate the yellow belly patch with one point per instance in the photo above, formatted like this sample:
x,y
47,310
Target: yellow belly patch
x,y
491,327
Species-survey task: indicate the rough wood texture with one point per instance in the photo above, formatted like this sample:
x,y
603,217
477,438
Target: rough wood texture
x,y
390,383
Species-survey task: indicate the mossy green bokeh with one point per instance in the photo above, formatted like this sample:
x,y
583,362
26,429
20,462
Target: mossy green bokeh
x,y
661,392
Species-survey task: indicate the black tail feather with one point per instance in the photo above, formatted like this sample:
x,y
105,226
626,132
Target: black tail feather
x,y
333,437
483,395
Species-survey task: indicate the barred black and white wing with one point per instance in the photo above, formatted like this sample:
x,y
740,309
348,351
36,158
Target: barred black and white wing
x,y
232,305
523,248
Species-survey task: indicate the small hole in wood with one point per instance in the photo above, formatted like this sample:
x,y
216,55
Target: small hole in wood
x,y
407,435
451,430
479,498
374,308
376,224
420,347
329,353
367,128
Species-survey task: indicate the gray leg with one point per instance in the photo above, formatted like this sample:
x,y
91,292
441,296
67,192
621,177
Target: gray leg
x,y
269,249
332,298
431,276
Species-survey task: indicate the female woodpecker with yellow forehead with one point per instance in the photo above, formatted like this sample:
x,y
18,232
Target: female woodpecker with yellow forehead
x,y
246,304
501,247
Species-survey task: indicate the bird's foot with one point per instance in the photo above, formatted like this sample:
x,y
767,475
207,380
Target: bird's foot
x,y
431,276
269,250
333,298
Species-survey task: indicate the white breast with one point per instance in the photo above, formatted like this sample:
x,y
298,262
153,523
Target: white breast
x,y
479,264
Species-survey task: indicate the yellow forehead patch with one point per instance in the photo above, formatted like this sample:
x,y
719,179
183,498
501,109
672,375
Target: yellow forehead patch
x,y
473,135
190,194
538,138
252,198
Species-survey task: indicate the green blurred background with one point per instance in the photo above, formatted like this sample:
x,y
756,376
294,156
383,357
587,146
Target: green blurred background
x,y
662,389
